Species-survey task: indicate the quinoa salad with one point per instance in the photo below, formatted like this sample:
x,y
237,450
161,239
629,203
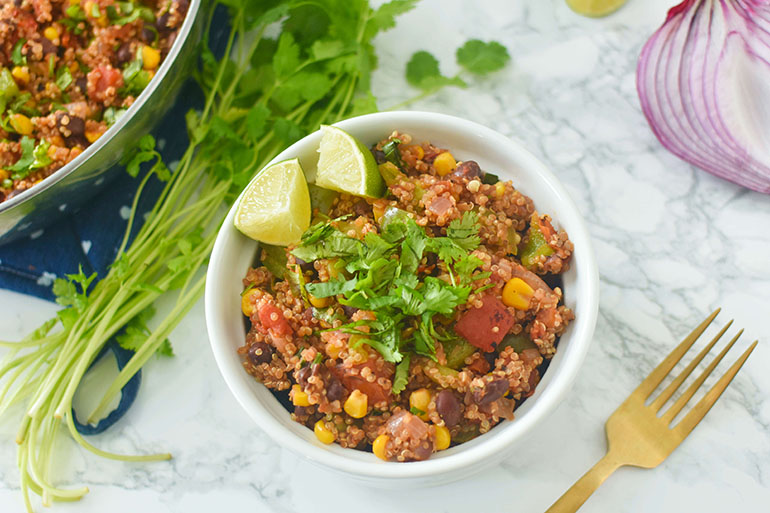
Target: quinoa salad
x,y
407,324
69,69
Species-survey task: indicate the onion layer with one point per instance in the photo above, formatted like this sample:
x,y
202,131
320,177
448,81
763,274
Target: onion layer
x,y
704,84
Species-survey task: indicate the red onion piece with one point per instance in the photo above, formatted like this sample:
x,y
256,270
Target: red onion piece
x,y
704,85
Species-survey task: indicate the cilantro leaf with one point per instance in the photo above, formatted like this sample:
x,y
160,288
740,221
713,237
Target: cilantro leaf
x,y
334,244
16,56
286,58
384,17
422,71
401,377
482,58
465,231
413,246
136,332
22,166
331,288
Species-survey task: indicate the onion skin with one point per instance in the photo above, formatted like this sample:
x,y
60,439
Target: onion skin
x,y
703,80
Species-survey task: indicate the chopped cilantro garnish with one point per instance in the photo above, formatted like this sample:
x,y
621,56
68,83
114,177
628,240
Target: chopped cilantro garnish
x,y
401,377
22,166
16,55
381,275
416,411
391,152
63,78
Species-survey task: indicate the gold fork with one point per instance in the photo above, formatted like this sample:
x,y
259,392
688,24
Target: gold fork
x,y
636,435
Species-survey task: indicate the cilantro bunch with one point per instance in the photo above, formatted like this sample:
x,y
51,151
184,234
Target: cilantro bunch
x,y
264,93
383,274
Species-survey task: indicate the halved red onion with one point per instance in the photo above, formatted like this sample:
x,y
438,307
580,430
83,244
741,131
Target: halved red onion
x,y
704,85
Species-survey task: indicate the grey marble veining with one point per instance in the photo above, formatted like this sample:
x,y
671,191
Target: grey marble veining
x,y
672,242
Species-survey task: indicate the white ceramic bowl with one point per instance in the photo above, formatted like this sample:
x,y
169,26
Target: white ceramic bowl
x,y
234,253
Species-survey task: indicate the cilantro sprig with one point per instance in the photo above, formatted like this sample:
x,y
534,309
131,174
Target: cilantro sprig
x,y
383,275
475,56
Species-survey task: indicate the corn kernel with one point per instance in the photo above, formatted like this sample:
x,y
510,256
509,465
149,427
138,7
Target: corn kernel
x,y
517,294
21,124
499,189
21,74
319,302
356,404
420,399
379,446
4,175
92,136
333,351
247,305
52,149
74,152
443,438
51,33
444,163
150,57
74,2
103,21
298,396
417,150
323,433
378,210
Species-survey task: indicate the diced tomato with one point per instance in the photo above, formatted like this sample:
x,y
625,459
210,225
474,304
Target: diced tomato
x,y
102,78
479,366
477,325
351,379
272,318
25,22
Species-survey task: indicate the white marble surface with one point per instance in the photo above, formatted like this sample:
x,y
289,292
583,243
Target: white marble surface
x,y
672,244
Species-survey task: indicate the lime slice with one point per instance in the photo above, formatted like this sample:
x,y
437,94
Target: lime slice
x,y
595,8
275,207
346,165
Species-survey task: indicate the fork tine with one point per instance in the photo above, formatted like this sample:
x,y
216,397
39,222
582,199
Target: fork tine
x,y
691,420
661,371
664,396
687,395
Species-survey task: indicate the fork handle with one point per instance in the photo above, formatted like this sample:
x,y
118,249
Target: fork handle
x,y
585,486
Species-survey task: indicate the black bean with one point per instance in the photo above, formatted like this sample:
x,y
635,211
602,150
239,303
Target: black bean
x,y
448,406
305,266
72,128
82,84
468,169
48,46
423,451
124,54
349,310
334,389
379,156
302,375
260,352
162,23
492,391
148,35
362,208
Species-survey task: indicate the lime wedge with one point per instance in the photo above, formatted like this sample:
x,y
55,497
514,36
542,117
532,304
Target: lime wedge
x,y
346,165
275,207
595,8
